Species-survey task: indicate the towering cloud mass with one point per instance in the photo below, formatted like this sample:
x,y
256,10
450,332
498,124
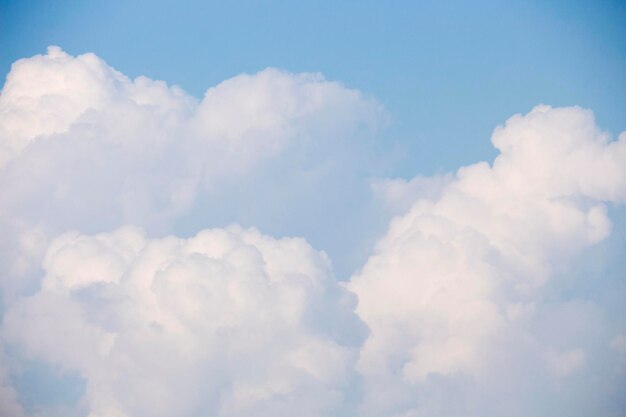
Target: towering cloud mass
x,y
229,322
83,147
455,287
476,301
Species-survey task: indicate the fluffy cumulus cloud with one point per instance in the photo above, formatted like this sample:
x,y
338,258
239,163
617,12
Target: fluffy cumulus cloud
x,y
476,301
454,290
84,147
229,322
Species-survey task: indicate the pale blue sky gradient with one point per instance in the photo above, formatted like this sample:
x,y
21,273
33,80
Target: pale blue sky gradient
x,y
448,72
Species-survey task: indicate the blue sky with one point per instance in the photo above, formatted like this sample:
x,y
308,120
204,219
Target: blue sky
x,y
345,246
448,72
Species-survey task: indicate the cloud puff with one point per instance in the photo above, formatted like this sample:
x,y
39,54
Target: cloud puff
x,y
229,322
463,269
249,116
84,147
47,94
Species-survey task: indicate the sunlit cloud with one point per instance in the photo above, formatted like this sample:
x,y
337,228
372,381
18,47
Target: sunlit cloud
x,y
459,308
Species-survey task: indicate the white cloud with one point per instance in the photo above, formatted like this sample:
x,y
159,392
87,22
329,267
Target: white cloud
x,y
47,94
84,147
398,194
465,297
229,322
463,269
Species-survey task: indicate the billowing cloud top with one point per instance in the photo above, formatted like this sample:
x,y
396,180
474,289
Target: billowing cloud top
x,y
458,278
100,151
224,323
470,304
